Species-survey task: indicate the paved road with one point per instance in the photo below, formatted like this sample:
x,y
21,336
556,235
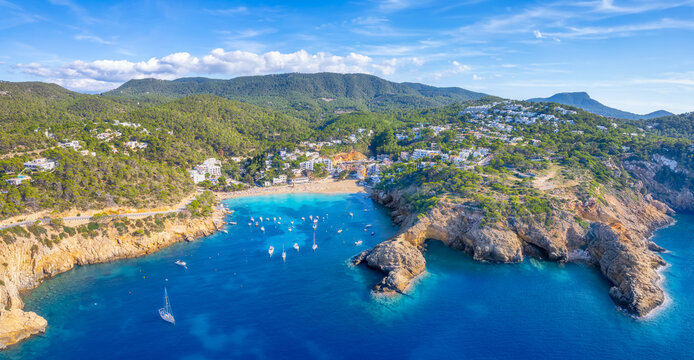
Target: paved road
x,y
83,218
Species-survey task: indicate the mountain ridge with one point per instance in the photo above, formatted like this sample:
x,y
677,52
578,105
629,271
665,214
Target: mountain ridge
x,y
304,94
582,100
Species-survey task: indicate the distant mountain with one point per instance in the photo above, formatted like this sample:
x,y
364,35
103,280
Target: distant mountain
x,y
584,101
306,94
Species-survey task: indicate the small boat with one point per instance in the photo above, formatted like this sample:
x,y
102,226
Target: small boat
x,y
350,214
290,229
181,263
367,226
262,228
292,222
373,233
270,250
303,218
339,231
224,231
284,254
233,223
274,219
249,224
314,226
358,243
252,220
261,218
279,223
279,218
310,217
296,246
165,313
256,224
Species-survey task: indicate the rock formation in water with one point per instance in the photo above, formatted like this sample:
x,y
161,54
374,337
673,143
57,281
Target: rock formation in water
x,y
28,260
611,234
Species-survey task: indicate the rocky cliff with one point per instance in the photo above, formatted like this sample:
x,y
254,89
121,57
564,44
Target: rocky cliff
x,y
28,260
611,233
660,178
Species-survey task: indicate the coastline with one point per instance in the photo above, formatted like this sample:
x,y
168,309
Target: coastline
x,y
17,325
27,265
326,186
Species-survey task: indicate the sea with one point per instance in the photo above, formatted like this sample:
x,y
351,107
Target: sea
x,y
234,301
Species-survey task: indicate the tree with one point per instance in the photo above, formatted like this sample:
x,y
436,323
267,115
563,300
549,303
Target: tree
x,y
319,171
382,141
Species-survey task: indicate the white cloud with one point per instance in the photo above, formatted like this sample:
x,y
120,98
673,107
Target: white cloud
x,y
456,69
93,38
537,34
477,77
104,74
229,11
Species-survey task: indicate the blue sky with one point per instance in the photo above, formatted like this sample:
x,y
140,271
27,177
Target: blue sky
x,y
631,54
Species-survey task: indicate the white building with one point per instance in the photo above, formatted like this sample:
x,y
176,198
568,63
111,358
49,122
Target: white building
x,y
210,166
18,180
300,180
136,145
196,176
279,180
40,164
308,165
71,144
422,153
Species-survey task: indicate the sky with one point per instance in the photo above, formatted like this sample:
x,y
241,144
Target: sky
x,y
636,55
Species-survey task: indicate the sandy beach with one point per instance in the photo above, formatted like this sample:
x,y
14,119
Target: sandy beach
x,y
327,186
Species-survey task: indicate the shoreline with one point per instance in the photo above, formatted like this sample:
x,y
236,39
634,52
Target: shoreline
x,y
29,267
328,186
17,325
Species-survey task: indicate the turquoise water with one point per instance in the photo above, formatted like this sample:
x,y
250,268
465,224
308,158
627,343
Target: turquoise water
x,y
235,302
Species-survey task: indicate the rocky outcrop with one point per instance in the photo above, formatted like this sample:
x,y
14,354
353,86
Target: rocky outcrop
x,y
18,325
616,241
27,261
677,198
629,265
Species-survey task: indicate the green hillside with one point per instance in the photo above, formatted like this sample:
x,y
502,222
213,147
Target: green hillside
x,y
306,95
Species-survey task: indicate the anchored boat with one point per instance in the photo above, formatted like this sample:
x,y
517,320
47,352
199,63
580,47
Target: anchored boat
x,y
165,313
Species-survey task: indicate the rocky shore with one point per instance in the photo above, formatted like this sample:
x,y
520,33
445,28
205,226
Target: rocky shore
x,y
611,234
28,260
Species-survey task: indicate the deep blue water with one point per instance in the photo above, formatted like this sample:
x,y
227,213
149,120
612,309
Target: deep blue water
x,y
235,302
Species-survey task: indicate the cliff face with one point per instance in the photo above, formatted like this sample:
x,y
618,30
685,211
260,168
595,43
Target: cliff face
x,y
27,261
677,197
615,241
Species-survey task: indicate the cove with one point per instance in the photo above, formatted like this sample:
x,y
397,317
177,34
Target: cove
x,y
236,302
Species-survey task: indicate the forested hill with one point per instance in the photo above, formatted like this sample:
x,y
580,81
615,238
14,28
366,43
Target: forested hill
x,y
584,101
305,95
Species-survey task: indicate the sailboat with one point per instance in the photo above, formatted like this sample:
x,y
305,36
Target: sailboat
x,y
271,250
296,246
284,254
262,228
350,214
314,247
165,312
339,231
358,243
